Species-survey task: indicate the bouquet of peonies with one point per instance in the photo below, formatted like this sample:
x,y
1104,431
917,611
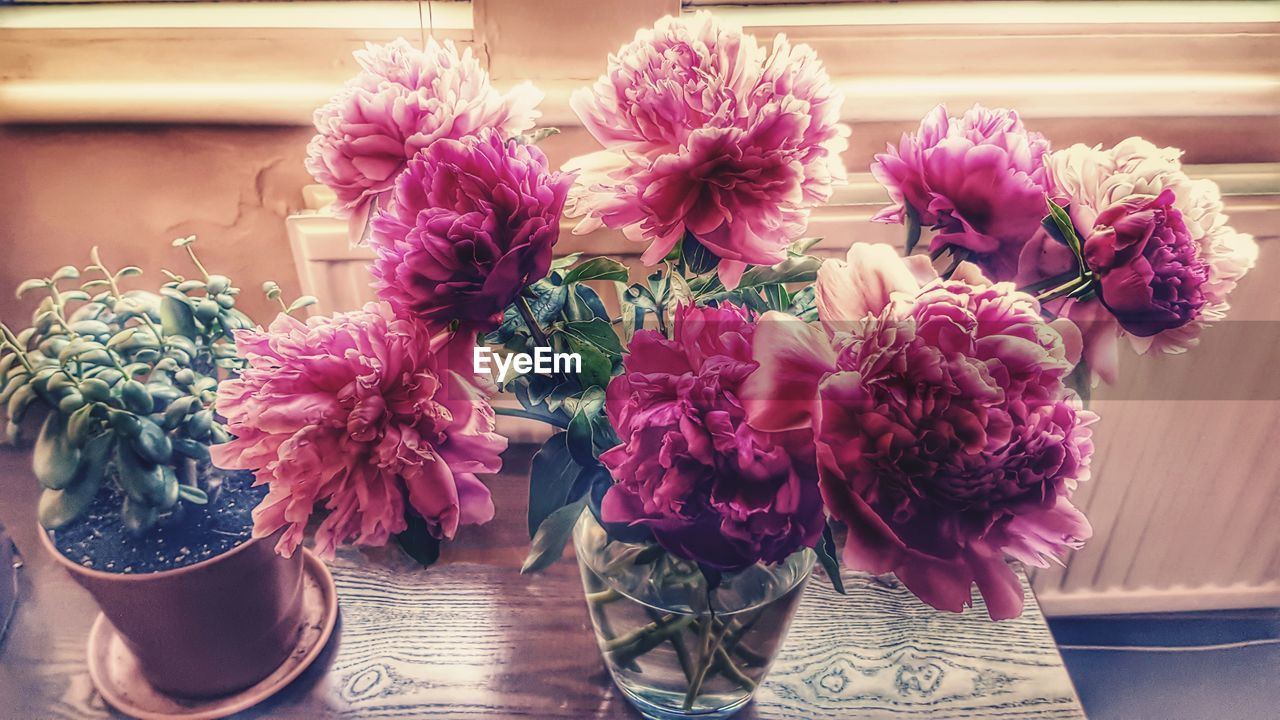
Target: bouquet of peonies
x,y
1121,241
744,394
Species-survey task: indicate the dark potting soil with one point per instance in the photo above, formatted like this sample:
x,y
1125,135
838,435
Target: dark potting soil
x,y
197,532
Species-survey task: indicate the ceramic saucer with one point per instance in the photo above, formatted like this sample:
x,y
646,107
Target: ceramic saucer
x,y
117,678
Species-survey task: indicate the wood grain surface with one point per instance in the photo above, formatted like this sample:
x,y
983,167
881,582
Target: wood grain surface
x,y
471,638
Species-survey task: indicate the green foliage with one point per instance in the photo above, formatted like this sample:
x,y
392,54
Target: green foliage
x,y
551,478
765,288
128,379
913,230
1078,282
553,534
826,551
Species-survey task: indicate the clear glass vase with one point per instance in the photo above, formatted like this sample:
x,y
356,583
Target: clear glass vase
x,y
675,649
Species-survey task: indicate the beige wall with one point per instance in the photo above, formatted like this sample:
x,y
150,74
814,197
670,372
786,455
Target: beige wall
x,y
130,190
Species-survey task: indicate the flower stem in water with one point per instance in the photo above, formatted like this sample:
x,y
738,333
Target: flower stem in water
x,y
711,642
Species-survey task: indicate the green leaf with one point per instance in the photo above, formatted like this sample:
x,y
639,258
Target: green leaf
x,y
136,398
217,284
151,443
177,411
632,317
658,284
184,241
417,540
697,257
66,272
141,480
80,424
70,403
803,245
553,534
583,427
804,304
1081,380
586,304
1062,219
90,327
588,428
550,478
797,268
29,285
597,332
54,458
536,136
642,297
108,375
303,302
193,495
19,401
15,381
826,551
59,507
190,448
172,489
913,230
597,368
128,271
581,436
176,317
567,261
598,268
777,297
121,337
207,310
94,389
548,301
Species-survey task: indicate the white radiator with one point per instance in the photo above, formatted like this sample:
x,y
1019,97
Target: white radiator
x,y
1185,498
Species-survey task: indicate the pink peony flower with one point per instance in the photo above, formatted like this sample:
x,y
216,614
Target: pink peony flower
x,y
469,225
946,436
403,100
356,411
1092,183
706,133
1148,267
709,487
978,180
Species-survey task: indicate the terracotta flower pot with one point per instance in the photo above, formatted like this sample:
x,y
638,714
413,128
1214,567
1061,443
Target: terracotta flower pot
x,y
208,629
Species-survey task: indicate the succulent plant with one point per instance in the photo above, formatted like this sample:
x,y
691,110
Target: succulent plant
x,y
129,379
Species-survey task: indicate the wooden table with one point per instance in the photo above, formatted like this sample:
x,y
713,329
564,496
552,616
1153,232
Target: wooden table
x,y
472,638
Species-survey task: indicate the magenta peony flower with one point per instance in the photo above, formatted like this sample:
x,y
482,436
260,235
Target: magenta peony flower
x,y
403,100
1090,181
705,133
357,412
709,487
978,180
946,436
1148,267
470,224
